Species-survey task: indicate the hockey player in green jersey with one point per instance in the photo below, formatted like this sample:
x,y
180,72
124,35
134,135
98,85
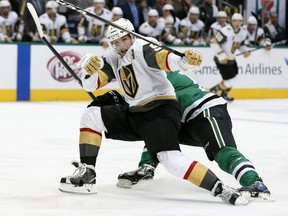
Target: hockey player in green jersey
x,y
205,123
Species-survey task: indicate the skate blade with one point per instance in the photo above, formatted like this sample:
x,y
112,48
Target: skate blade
x,y
265,197
124,183
85,189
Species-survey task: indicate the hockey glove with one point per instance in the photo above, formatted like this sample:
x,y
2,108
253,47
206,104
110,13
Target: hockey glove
x,y
109,98
193,57
246,54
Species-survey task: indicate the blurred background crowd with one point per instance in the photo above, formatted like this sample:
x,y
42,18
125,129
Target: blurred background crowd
x,y
178,22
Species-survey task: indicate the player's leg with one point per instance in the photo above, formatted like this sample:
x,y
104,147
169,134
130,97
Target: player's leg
x,y
93,122
228,72
213,127
159,128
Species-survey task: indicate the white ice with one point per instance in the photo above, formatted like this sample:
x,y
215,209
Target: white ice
x,y
39,140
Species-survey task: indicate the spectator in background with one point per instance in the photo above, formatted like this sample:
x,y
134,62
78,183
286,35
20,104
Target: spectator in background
x,y
192,28
144,8
9,23
132,12
30,27
273,30
92,30
181,8
54,25
208,12
117,13
255,34
217,26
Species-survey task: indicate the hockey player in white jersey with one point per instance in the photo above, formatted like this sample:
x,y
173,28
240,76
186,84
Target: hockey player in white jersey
x,y
91,30
227,41
255,34
154,26
192,28
117,13
55,25
152,113
172,26
8,22
221,22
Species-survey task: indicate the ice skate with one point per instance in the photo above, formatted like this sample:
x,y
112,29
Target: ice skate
x,y
215,89
82,181
225,96
258,190
144,172
228,194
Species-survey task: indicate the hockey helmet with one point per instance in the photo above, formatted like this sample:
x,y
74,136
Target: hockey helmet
x,y
117,11
221,14
194,10
5,3
153,12
237,16
168,7
99,1
52,4
116,33
252,20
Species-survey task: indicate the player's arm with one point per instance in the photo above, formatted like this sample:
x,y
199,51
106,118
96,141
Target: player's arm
x,y
99,72
81,28
243,49
215,43
162,59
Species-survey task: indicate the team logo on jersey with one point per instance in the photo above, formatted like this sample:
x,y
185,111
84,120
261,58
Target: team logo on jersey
x,y
59,72
128,80
96,30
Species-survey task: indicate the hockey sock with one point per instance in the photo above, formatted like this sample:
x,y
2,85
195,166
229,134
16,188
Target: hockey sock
x,y
146,158
184,167
230,160
90,142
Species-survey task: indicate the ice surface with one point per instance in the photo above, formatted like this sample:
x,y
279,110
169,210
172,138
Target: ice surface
x,y
39,140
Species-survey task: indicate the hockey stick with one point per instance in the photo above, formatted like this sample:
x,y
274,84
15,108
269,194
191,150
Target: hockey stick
x,y
64,63
80,10
261,47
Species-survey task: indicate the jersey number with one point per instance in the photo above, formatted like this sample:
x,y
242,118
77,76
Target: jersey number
x,y
128,80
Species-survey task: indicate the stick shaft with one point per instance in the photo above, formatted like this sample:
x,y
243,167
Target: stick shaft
x,y
80,10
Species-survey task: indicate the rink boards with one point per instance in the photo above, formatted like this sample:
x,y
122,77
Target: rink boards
x,y
32,73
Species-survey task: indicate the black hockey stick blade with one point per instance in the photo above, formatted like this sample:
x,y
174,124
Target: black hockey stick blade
x,y
82,11
63,62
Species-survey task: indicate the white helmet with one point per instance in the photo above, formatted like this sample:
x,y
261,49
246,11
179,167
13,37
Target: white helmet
x,y
252,20
194,10
99,1
221,14
117,11
5,3
115,33
237,16
168,7
52,4
153,12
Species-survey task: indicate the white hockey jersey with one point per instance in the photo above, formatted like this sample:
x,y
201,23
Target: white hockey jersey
x,y
94,29
53,29
229,41
7,25
140,74
150,31
214,28
256,37
194,30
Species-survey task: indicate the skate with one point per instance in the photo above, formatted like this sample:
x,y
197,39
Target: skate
x,y
228,194
225,96
258,190
215,89
82,181
144,172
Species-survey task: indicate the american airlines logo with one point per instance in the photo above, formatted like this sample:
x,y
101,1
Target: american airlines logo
x,y
59,72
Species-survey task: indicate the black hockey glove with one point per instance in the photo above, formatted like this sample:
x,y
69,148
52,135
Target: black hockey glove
x,y
109,98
